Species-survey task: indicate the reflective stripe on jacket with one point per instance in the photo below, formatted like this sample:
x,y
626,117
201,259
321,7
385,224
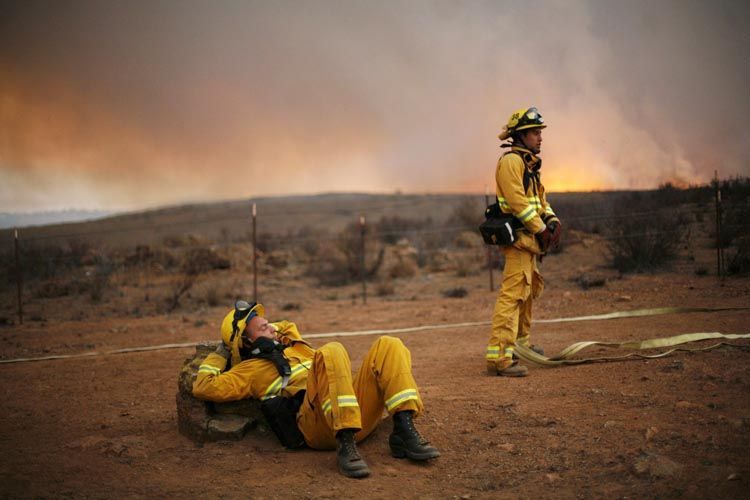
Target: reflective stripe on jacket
x,y
529,204
255,378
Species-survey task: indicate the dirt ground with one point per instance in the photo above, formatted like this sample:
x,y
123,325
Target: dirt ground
x,y
105,426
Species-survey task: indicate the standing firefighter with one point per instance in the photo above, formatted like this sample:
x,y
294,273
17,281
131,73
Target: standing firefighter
x,y
309,396
520,193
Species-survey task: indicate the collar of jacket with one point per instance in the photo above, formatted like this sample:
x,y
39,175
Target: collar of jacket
x,y
532,161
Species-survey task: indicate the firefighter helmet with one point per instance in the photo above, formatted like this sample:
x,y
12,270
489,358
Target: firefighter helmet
x,y
523,119
236,320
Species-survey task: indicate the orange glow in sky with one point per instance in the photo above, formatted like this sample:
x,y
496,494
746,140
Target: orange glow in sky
x,y
232,100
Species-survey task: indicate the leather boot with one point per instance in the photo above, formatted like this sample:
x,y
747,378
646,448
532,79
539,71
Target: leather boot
x,y
405,441
349,460
515,369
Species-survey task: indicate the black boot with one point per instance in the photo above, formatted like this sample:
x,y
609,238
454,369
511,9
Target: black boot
x,y
349,460
405,441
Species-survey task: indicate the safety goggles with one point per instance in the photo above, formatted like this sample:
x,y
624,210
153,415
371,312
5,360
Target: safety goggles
x,y
242,310
530,117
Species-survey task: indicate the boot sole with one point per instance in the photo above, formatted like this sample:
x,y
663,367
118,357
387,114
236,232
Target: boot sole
x,y
355,474
419,457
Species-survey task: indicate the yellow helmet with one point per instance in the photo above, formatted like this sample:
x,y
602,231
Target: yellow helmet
x,y
522,119
234,324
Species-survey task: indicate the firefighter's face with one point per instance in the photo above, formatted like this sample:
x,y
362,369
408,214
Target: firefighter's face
x,y
532,139
259,327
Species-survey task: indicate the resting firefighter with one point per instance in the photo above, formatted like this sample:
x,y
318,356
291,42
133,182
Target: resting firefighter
x,y
521,194
308,395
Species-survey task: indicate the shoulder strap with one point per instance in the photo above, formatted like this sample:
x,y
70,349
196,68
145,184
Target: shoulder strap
x,y
526,173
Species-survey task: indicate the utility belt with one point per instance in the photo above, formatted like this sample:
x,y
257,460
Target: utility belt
x,y
499,228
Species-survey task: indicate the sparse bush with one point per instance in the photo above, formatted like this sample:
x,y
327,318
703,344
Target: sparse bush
x,y
200,260
455,293
384,288
179,287
586,281
391,229
740,263
468,214
468,239
99,279
467,266
212,295
644,244
340,262
403,268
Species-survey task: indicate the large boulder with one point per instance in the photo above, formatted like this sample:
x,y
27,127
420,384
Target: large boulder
x,y
203,421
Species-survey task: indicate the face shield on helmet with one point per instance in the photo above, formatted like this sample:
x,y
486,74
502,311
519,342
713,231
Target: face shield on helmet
x,y
522,119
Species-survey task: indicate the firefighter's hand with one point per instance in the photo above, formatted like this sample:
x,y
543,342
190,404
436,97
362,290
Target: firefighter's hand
x,y
544,238
555,228
223,351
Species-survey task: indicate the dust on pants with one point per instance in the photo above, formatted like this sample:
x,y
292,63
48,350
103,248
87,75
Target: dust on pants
x,y
511,318
335,400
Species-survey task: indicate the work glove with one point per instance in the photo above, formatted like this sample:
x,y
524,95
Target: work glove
x,y
223,351
555,228
544,238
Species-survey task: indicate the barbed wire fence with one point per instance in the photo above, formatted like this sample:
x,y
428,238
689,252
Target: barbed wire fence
x,y
355,246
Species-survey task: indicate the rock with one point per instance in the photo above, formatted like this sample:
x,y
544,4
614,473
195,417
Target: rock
x,y
202,421
228,427
651,432
687,405
657,466
609,424
624,298
734,477
552,477
507,447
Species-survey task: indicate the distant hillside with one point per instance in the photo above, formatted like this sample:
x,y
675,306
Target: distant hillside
x,y
231,220
329,213
9,220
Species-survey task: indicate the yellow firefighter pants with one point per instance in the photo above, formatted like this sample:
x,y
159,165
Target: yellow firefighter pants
x,y
335,400
511,319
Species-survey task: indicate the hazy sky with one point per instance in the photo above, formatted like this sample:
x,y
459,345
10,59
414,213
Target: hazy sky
x,y
130,104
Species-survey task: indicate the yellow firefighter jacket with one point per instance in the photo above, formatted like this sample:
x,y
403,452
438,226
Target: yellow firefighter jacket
x,y
256,378
525,200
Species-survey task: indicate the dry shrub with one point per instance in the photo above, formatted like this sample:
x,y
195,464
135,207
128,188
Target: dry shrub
x,y
195,262
391,229
144,255
277,259
55,288
200,260
403,268
339,262
740,263
184,240
467,265
468,214
384,288
212,295
99,279
455,293
644,243
468,239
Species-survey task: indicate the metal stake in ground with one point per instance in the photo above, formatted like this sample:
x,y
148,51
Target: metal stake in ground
x,y
19,276
717,201
362,258
255,256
